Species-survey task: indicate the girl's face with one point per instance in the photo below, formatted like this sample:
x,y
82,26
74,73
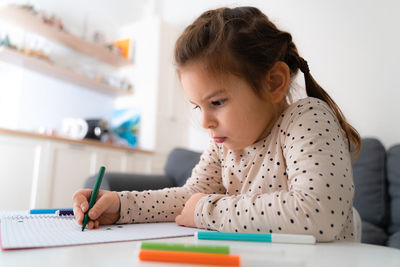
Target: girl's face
x,y
232,113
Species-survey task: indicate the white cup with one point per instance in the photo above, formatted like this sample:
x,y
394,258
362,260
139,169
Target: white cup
x,y
74,128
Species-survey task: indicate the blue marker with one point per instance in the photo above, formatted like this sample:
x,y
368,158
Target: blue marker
x,y
46,211
274,238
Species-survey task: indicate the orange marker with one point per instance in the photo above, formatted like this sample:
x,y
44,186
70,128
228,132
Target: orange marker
x,y
189,257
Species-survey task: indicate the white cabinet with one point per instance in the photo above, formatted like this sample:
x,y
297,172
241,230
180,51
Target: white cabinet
x,y
19,166
72,164
115,161
70,167
140,163
44,173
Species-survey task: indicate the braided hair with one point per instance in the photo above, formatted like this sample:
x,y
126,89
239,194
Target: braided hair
x,y
242,41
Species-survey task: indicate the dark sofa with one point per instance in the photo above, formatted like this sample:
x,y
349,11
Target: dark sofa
x,y
377,192
376,178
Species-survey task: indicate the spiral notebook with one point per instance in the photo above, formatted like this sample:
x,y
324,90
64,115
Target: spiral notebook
x,y
37,231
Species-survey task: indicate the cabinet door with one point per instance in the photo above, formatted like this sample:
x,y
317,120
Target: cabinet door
x,y
72,164
114,161
19,170
139,163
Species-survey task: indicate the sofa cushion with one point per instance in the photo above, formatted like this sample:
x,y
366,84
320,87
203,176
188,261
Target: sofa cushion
x,y
117,181
373,234
180,164
89,183
371,196
393,177
394,240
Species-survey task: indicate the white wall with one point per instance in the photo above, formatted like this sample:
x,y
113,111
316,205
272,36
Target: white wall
x,y
352,48
83,17
145,74
29,101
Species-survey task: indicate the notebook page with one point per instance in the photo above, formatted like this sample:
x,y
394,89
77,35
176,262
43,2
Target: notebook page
x,y
33,231
8,213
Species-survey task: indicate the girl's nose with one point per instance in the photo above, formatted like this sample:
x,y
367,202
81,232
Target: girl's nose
x,y
208,121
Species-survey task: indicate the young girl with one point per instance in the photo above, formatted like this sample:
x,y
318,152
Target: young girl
x,y
271,166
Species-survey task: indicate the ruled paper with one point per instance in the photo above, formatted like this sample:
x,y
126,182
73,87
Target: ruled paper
x,y
34,231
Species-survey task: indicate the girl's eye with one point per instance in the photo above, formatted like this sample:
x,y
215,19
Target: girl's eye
x,y
196,107
218,102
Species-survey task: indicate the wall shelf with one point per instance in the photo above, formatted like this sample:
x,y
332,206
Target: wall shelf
x,y
57,72
34,24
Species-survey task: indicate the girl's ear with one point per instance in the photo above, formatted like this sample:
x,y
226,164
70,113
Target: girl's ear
x,y
278,79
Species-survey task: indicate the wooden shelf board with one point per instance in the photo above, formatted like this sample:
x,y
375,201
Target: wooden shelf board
x,y
54,71
73,141
34,23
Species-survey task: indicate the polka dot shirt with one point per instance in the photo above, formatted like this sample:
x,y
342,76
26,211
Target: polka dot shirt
x,y
297,180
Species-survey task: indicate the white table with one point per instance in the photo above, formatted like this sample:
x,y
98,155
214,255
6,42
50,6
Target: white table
x,y
125,254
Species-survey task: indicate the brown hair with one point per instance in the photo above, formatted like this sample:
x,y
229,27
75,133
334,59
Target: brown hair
x,y
242,41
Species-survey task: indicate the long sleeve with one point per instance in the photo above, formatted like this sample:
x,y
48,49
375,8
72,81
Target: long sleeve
x,y
297,180
165,204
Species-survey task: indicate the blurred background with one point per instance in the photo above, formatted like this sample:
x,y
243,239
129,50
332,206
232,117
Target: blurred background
x,y
90,83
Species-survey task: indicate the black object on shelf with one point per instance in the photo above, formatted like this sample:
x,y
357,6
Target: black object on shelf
x,y
97,129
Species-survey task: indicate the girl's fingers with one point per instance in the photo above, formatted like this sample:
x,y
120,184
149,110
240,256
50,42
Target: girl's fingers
x,y
181,220
78,214
107,202
102,204
178,219
80,198
93,224
80,204
90,225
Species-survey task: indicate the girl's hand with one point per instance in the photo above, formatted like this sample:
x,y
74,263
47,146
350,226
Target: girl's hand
x,y
186,218
106,210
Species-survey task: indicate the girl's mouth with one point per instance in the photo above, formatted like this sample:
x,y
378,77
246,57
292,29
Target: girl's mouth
x,y
219,139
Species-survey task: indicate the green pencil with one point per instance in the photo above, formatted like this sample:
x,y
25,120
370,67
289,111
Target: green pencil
x,y
185,247
93,196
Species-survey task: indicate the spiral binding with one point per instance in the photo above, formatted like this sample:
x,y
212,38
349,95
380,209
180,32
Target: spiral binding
x,y
38,216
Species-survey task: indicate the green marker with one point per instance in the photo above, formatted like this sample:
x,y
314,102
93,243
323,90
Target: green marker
x,y
93,196
185,247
